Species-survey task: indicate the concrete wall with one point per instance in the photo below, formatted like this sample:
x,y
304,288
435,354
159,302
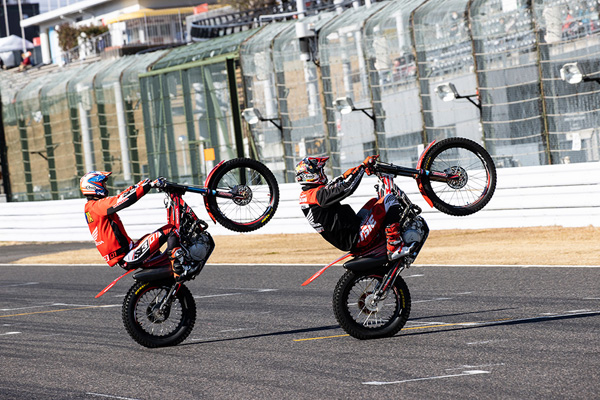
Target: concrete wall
x,y
563,195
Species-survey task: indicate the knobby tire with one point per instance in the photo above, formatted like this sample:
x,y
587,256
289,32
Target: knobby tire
x,y
477,182
252,177
145,329
356,319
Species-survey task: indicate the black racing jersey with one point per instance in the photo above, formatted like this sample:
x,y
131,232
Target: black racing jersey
x,y
336,222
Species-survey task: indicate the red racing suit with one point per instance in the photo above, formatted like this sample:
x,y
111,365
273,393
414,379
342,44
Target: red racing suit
x,y
337,223
106,227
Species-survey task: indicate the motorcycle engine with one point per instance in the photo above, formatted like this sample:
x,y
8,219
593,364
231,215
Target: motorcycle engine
x,y
201,247
414,231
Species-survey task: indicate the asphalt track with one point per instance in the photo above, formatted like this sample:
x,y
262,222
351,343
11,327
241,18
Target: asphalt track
x,y
474,333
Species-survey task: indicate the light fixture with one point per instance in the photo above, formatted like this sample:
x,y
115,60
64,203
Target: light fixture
x,y
448,92
345,106
252,116
571,74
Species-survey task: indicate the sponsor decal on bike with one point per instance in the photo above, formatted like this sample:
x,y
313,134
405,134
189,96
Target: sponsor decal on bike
x,y
141,288
266,216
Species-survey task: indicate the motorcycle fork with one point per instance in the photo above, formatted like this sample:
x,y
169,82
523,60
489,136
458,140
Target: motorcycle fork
x,y
165,303
389,279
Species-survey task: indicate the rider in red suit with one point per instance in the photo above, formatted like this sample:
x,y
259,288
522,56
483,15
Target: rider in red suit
x,y
112,241
338,223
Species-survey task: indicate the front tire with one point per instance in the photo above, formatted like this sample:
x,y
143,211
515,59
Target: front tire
x,y
363,319
476,176
151,328
250,179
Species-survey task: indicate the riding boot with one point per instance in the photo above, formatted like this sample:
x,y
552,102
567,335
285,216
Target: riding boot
x,y
177,261
394,241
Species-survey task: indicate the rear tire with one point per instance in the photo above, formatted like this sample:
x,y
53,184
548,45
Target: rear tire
x,y
476,181
362,319
152,329
259,187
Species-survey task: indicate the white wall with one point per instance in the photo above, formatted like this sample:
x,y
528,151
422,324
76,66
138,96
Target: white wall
x,y
563,195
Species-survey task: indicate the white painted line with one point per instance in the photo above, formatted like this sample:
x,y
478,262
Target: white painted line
x,y
110,396
236,294
21,284
9,333
86,305
437,299
463,367
204,339
464,373
59,305
488,341
425,323
217,295
414,276
24,308
591,298
236,330
578,311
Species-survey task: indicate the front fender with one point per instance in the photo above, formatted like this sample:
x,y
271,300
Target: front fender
x,y
418,178
206,183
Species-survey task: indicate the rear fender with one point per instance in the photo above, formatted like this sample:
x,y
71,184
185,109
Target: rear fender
x,y
319,272
206,183
106,289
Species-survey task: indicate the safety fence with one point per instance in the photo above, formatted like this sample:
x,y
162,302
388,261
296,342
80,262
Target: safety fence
x,y
556,195
177,113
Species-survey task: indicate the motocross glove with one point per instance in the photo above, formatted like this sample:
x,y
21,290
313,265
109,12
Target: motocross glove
x,y
159,183
351,171
369,163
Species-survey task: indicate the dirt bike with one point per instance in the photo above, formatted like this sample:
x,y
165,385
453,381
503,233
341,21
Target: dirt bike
x,y
371,300
159,310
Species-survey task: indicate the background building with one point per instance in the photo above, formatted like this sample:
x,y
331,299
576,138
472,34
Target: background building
x,y
177,112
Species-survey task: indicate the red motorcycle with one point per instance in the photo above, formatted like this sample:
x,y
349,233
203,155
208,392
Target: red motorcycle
x,y
242,195
371,300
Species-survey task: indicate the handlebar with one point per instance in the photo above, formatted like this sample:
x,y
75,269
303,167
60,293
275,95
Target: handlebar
x,y
388,168
172,187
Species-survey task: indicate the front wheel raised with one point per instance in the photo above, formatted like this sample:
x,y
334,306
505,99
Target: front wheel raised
x,y
364,316
152,327
255,194
474,176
